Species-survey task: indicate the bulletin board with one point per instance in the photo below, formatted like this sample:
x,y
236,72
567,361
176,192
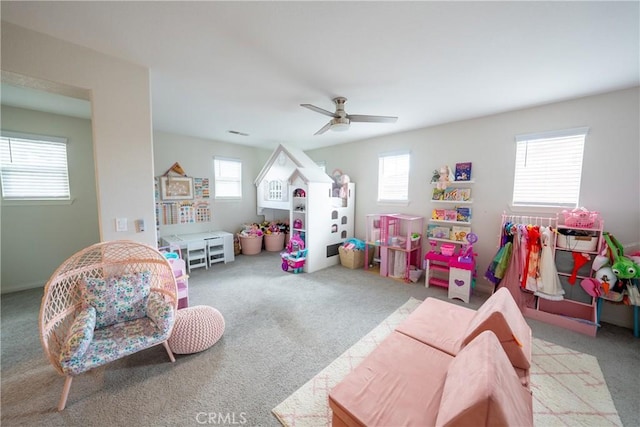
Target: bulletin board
x,y
194,209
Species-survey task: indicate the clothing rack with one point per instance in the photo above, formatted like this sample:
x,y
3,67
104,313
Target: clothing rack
x,y
525,219
568,312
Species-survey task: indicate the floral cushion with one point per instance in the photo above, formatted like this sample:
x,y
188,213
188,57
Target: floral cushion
x,y
117,341
79,336
118,298
160,312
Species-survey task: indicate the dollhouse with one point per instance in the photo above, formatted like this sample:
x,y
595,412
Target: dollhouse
x,y
320,210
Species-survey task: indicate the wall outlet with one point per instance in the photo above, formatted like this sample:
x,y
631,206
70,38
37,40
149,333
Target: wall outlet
x,y
121,224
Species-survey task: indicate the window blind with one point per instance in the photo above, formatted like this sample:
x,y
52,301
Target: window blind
x,y
34,168
393,177
548,168
228,178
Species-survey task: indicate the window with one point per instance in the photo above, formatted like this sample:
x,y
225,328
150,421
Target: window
x,y
393,177
275,190
549,168
322,165
228,178
34,167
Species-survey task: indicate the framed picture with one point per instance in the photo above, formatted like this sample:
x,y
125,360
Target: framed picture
x,y
176,187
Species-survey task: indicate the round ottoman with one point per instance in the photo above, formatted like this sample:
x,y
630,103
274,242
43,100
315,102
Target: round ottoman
x,y
196,329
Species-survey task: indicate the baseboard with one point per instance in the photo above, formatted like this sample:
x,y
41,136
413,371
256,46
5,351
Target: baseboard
x,y
22,287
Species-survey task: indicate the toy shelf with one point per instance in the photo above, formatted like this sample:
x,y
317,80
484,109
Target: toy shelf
x,y
455,202
456,183
444,221
437,239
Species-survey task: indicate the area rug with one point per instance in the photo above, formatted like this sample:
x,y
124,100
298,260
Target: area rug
x,y
568,386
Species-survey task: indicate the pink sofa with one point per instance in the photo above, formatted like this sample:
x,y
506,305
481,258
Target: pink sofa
x,y
449,327
444,365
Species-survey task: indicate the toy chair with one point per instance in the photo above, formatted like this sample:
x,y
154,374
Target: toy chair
x,y
196,255
106,302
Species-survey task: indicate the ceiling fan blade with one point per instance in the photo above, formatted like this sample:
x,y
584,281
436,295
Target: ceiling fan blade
x,y
372,119
323,129
318,110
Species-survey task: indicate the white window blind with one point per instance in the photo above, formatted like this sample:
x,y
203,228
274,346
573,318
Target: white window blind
x,y
228,178
393,177
549,168
34,167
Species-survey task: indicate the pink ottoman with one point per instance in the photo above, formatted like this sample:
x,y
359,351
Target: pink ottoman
x,y
196,329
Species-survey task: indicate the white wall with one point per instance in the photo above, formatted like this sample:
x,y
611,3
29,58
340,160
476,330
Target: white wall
x,y
196,155
121,118
610,180
38,237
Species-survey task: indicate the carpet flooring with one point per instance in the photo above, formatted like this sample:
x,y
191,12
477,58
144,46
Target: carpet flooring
x,y
281,330
567,386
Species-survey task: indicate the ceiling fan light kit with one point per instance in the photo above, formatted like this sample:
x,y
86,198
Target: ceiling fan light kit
x,y
341,120
340,124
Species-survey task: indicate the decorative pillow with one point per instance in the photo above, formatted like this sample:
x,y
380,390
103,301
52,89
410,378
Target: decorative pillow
x,y
160,312
79,336
483,389
117,299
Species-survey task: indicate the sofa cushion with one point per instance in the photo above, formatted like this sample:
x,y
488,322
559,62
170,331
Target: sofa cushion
x,y
116,341
117,298
482,389
79,336
500,314
399,384
440,324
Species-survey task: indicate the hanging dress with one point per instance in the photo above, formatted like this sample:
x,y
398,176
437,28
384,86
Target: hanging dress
x,y
549,286
511,279
530,276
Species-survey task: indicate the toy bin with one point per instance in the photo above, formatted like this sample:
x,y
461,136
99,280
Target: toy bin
x,y
580,218
351,258
577,243
447,249
251,245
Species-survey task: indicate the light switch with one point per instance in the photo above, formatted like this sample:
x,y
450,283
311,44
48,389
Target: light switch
x,y
121,224
139,225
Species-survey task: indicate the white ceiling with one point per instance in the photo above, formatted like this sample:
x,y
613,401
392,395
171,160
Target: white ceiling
x,y
246,66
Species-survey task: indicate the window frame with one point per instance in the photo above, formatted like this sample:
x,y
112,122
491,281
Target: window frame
x,y
552,169
217,179
62,169
393,201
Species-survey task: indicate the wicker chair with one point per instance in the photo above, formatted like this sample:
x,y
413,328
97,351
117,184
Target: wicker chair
x,y
130,279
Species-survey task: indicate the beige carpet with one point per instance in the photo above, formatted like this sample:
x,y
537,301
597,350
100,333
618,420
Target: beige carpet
x,y
568,386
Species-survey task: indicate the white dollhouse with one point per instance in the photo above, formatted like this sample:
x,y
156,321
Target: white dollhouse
x,y
291,185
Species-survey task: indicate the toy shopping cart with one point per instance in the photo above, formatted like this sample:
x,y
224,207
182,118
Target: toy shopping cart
x,y
294,260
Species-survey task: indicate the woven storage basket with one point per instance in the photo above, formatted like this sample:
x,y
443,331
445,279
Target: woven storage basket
x,y
251,245
274,242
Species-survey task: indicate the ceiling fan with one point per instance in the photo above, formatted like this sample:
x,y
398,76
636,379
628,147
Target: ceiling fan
x,y
340,120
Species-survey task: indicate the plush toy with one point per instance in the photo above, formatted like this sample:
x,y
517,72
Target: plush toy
x,y
623,267
344,186
445,176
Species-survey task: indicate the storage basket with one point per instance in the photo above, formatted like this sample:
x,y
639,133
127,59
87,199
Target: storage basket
x,y
577,243
274,242
251,245
447,249
581,218
351,258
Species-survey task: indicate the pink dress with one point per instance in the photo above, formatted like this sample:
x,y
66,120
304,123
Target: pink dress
x,y
531,274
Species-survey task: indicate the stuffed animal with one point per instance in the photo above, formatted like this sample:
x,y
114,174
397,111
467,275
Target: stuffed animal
x,y
445,176
344,186
623,267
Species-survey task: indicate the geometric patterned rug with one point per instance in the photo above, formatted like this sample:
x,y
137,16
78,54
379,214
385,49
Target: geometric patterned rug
x,y
568,387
